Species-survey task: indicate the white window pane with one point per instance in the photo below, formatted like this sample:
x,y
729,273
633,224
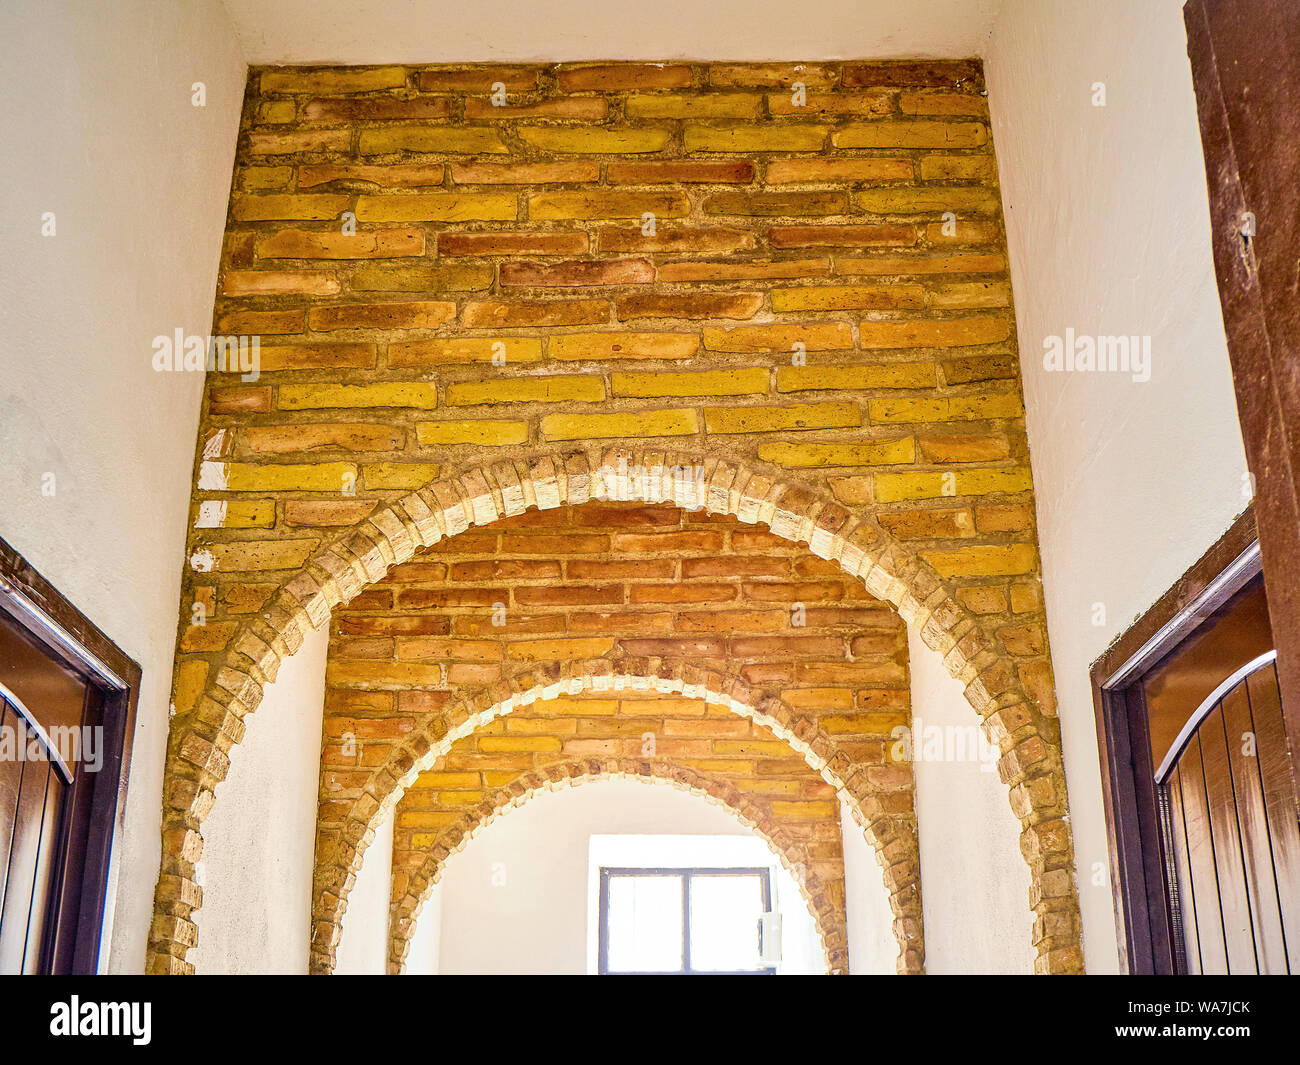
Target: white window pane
x,y
645,924
724,922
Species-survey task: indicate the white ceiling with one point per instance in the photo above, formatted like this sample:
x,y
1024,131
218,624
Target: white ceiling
x,y
430,31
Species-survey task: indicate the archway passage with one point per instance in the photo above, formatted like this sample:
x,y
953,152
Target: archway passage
x,y
433,823
215,690
626,580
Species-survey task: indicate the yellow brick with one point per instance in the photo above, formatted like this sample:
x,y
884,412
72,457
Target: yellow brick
x,y
191,679
472,140
460,350
486,433
265,178
877,375
289,207
520,744
799,416
616,204
831,104
283,477
755,138
943,409
848,297
988,561
541,726
347,673
709,383
596,141
942,103
911,134
874,453
312,356
312,397
817,336
240,555
582,707
439,207
598,426
882,724
339,79
959,168
752,748
544,650
932,198
723,766
709,105
277,112
423,277
935,333
970,294
804,811
234,514
600,346
775,75
826,171
399,475
527,390
460,798
893,487
447,780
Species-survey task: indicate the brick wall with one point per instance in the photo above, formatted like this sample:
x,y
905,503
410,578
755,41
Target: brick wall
x,y
792,277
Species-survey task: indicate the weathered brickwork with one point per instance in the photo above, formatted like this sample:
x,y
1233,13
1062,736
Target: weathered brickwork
x,y
800,289
557,743
629,581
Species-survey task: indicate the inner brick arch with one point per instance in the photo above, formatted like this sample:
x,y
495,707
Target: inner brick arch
x,y
827,910
341,845
216,688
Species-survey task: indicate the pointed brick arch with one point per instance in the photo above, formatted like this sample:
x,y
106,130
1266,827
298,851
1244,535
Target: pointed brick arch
x,y
215,690
340,847
828,917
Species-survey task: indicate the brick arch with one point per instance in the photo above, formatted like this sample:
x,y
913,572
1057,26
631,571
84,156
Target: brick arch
x,y
340,848
214,691
828,917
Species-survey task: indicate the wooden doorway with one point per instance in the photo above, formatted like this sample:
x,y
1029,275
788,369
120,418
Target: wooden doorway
x,y
67,707
1200,799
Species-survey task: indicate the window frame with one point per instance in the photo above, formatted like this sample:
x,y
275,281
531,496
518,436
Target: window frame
x,y
80,905
686,873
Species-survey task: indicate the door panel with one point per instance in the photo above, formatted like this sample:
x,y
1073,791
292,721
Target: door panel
x,y
1230,833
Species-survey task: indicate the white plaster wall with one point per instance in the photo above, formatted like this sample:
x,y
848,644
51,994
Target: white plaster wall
x,y
426,938
363,943
974,882
536,921
873,950
97,127
1108,232
259,841
382,31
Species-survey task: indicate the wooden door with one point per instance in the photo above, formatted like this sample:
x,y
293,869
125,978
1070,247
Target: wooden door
x,y
1219,764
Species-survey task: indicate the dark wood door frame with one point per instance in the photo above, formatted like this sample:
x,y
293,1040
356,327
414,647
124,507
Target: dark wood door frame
x,y
84,903
1138,874
1245,57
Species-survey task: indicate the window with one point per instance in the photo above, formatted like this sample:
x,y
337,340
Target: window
x,y
684,921
67,699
